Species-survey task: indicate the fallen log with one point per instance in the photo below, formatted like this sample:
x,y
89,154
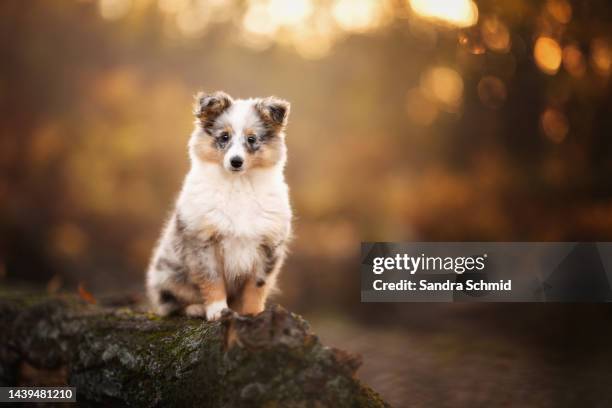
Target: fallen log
x,y
122,356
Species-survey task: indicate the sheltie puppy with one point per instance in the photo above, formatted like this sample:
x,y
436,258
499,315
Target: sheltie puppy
x,y
226,240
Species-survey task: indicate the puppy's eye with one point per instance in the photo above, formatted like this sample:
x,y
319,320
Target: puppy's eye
x,y
224,136
251,139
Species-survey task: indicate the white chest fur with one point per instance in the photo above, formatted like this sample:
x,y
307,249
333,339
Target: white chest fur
x,y
245,210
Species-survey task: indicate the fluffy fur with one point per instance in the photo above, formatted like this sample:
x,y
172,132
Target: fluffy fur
x,y
226,240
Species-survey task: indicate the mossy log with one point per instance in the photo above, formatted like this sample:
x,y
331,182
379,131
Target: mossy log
x,y
121,356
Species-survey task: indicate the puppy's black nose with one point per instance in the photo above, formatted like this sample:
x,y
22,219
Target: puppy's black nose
x,y
236,162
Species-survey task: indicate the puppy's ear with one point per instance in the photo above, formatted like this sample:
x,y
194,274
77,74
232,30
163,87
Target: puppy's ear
x,y
274,112
208,106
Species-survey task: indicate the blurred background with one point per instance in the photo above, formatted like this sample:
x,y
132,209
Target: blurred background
x,y
411,120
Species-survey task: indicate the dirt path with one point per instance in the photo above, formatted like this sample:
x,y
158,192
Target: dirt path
x,y
466,362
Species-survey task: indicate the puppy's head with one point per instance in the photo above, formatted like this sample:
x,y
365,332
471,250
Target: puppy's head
x,y
240,134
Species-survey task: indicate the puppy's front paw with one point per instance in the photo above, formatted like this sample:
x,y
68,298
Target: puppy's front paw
x,y
215,310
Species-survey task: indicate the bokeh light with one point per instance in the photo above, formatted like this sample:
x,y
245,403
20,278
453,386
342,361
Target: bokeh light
x,y
547,54
444,86
257,19
459,13
358,15
601,56
288,13
114,9
311,31
192,21
554,125
495,34
573,61
560,10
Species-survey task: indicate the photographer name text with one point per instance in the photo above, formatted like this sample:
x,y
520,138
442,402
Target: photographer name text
x,y
447,285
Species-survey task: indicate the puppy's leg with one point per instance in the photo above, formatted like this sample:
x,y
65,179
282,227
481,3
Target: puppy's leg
x,y
254,297
259,285
214,297
167,288
198,249
207,275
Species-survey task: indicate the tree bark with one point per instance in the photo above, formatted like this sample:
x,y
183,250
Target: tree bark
x,y
119,355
